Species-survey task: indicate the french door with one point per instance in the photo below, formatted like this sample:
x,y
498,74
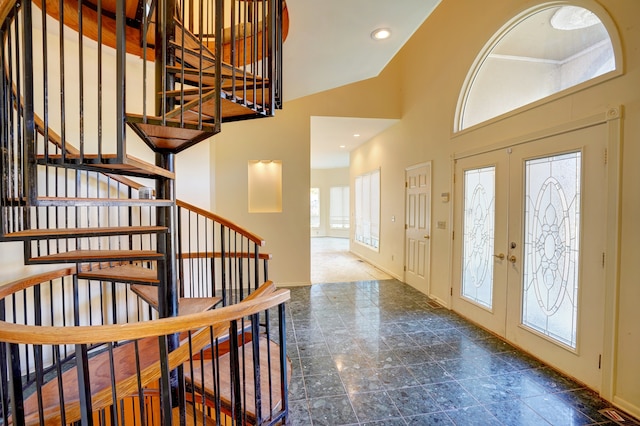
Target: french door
x,y
529,247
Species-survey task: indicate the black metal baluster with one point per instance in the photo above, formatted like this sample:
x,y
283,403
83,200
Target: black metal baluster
x,y
282,340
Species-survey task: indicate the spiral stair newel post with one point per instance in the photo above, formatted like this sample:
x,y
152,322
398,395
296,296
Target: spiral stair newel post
x,y
168,289
4,373
29,157
121,58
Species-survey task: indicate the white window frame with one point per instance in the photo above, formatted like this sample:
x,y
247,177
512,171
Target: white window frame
x,y
313,209
339,207
599,11
367,209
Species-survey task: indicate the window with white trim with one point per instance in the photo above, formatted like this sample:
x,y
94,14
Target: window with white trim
x,y
367,209
315,208
339,207
546,50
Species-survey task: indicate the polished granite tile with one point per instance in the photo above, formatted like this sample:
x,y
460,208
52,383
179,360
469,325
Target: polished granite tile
x,y
472,416
299,413
332,411
436,419
365,380
379,353
324,385
515,412
372,406
413,401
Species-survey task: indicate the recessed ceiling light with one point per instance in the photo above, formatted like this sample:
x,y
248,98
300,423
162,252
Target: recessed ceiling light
x,y
343,146
381,34
356,135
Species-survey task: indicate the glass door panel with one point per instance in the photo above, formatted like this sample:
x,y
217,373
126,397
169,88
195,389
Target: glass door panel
x,y
479,229
479,285
529,239
557,216
552,246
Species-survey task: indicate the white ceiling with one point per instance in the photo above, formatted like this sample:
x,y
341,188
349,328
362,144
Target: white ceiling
x,y
332,138
330,45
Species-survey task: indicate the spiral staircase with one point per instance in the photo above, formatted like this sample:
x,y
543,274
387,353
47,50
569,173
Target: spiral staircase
x,y
159,312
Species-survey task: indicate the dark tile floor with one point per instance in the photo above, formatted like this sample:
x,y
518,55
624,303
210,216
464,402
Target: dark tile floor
x,y
381,353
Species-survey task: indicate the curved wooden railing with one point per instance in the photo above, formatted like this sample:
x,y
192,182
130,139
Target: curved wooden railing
x,y
5,8
98,367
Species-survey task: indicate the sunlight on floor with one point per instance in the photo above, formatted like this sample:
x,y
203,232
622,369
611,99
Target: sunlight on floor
x,y
331,262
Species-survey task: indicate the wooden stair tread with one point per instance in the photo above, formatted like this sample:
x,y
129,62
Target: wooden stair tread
x,y
125,378
123,273
170,134
247,385
231,110
108,163
190,51
192,74
80,256
186,305
233,107
98,366
77,202
34,234
211,95
191,56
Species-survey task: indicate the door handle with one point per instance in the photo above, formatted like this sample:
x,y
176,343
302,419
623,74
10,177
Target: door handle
x,y
499,256
512,259
426,237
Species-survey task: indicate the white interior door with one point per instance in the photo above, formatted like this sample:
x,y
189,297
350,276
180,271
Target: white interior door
x,y
418,226
549,213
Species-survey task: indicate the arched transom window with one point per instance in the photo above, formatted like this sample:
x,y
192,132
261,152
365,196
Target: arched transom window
x,y
544,51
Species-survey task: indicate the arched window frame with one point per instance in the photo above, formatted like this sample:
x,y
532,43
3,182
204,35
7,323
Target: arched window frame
x,y
592,6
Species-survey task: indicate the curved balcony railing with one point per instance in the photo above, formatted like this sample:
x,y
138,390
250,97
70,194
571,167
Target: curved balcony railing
x,y
104,359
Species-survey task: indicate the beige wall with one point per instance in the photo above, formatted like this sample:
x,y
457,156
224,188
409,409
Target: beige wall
x,y
286,137
421,85
431,83
324,179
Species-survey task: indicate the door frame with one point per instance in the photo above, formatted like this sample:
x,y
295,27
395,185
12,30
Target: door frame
x,y
613,119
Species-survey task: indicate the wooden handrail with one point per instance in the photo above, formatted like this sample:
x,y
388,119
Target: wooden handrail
x,y
253,237
81,335
24,283
5,7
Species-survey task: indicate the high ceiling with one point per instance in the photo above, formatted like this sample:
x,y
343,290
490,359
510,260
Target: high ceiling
x,y
330,45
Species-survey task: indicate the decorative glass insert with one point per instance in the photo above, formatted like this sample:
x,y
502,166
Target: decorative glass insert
x,y
478,238
551,246
547,50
